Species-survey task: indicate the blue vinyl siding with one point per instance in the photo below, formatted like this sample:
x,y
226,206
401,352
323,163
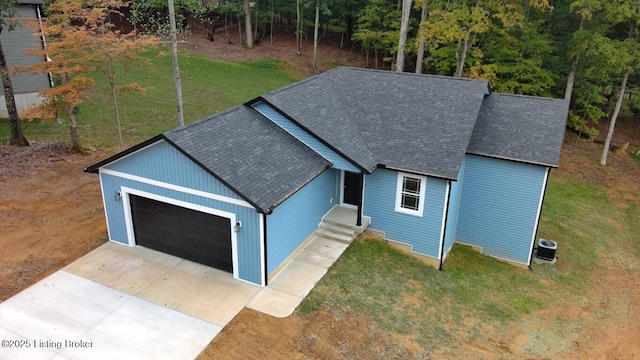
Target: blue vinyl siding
x,y
453,212
293,221
337,161
163,162
422,233
146,163
499,206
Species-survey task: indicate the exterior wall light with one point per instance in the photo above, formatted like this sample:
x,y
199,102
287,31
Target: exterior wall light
x,y
118,196
237,227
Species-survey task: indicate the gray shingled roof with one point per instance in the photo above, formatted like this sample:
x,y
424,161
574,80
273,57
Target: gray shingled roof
x,y
251,154
419,123
522,128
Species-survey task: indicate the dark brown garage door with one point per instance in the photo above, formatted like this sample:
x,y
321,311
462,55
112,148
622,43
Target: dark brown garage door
x,y
189,234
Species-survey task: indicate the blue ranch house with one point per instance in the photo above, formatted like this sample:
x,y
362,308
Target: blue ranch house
x,y
424,160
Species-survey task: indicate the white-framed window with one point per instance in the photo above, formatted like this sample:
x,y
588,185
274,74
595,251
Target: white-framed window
x,y
410,193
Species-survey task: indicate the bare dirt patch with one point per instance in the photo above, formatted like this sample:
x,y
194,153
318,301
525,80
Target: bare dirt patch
x,y
50,211
319,335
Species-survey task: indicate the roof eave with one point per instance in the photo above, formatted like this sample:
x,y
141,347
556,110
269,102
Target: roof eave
x,y
270,209
417,172
210,172
531,162
353,162
95,168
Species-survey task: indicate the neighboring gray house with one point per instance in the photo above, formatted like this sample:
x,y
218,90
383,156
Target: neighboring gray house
x,y
14,43
425,160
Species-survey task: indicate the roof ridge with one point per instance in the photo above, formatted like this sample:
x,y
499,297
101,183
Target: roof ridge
x,y
404,73
201,120
546,98
300,82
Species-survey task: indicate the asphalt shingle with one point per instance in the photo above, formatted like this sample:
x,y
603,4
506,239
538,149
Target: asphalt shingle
x,y
254,156
419,123
521,128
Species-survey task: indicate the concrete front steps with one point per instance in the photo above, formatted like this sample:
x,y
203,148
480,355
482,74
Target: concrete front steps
x,y
337,232
339,224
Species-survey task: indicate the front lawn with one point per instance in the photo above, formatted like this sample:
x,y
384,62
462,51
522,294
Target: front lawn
x,y
437,309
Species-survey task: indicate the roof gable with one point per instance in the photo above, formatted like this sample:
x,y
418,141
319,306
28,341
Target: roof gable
x,y
252,155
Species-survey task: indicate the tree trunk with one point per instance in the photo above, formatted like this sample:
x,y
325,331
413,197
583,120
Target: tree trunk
x,y
465,47
73,124
112,83
614,117
315,37
255,25
571,79
420,57
17,138
349,28
404,28
247,23
462,56
176,67
273,14
298,29
73,131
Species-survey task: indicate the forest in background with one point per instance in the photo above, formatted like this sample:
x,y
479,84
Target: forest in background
x,y
582,50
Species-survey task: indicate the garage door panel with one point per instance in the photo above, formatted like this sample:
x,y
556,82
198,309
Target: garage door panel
x,y
221,264
186,233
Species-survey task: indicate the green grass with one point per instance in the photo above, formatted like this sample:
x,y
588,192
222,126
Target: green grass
x,y
405,296
399,293
208,86
636,157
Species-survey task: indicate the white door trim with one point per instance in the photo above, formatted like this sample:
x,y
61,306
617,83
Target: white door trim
x,y
179,188
126,203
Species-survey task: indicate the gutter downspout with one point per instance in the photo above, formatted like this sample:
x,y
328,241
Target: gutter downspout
x,y
535,234
444,232
360,197
264,245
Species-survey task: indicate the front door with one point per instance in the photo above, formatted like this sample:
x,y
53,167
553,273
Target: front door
x,y
351,191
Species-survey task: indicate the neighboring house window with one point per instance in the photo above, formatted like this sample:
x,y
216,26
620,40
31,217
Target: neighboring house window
x,y
410,193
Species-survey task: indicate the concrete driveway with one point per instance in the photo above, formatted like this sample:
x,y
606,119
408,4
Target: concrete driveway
x,y
120,302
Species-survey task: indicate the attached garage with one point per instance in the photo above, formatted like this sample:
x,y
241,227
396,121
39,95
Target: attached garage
x,y
191,194
190,234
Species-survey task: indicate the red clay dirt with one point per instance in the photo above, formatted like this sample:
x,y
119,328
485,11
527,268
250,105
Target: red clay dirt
x,y
52,213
